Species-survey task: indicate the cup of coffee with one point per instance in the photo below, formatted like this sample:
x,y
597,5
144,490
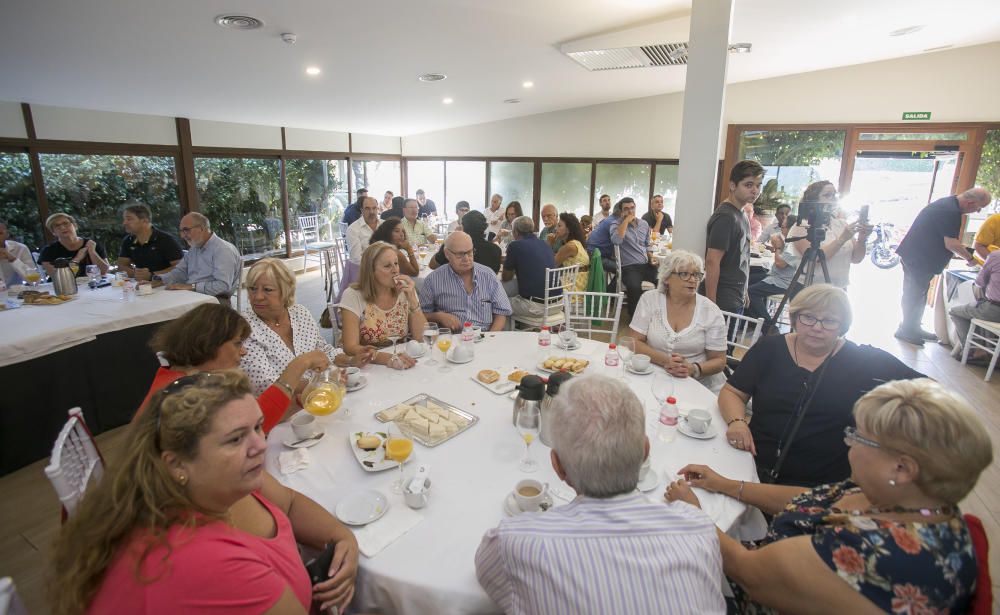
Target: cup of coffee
x,y
640,362
415,348
477,333
699,420
305,426
353,376
529,494
568,338
462,353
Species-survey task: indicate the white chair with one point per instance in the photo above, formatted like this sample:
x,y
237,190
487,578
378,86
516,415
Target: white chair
x,y
618,270
309,227
988,339
75,461
782,319
241,288
743,332
10,602
589,313
552,313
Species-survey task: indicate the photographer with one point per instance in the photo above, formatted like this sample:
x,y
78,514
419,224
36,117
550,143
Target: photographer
x,y
838,244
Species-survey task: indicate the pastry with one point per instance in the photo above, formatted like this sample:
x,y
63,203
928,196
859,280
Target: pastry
x,y
369,442
516,375
488,376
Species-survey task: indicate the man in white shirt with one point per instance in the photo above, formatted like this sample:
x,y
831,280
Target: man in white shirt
x,y
495,214
361,230
610,550
605,209
15,258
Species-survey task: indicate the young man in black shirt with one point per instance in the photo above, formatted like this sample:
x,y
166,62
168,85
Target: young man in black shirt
x,y
657,219
727,254
146,250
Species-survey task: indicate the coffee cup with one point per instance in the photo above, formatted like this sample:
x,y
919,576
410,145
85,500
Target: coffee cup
x,y
145,288
477,333
644,469
417,500
699,420
415,348
529,494
462,353
568,338
305,426
353,376
640,362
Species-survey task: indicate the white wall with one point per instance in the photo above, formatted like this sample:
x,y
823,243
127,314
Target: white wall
x,y
374,144
316,140
955,85
226,134
11,121
85,125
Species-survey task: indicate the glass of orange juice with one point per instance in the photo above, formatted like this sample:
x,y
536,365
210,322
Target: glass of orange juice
x,y
443,344
398,448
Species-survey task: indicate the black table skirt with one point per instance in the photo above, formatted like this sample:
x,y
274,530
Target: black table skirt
x,y
107,377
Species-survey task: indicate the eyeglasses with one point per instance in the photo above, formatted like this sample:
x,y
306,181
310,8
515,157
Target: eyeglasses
x,y
188,229
828,324
851,436
687,275
462,255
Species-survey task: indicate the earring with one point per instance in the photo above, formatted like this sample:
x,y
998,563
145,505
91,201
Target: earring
x,y
892,482
182,479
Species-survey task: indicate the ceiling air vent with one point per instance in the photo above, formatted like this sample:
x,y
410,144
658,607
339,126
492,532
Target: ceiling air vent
x,y
665,54
671,54
238,22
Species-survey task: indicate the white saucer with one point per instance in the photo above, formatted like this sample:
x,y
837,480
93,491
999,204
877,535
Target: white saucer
x,y
362,507
293,438
415,356
682,427
451,354
649,370
558,344
360,385
510,507
649,483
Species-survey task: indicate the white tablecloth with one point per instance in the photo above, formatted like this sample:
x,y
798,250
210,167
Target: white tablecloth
x,y
33,331
953,288
431,569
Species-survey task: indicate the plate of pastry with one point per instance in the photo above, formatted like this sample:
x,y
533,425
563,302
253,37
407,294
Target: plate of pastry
x,y
427,419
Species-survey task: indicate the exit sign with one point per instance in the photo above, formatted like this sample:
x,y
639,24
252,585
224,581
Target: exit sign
x,y
916,115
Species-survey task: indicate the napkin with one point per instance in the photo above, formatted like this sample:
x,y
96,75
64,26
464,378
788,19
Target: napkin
x,y
290,462
378,535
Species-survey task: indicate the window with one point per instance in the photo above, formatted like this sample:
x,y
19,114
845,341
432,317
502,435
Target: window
x,y
376,175
316,188
242,199
18,202
793,159
913,136
567,186
514,181
426,175
988,176
665,184
466,182
93,188
622,180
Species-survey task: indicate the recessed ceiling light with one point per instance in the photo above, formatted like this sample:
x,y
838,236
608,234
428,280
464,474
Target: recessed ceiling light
x,y
741,48
238,22
313,70
432,77
906,30
447,101
528,84
512,101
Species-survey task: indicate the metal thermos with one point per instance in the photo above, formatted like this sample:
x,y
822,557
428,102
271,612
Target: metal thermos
x,y
555,381
531,390
63,279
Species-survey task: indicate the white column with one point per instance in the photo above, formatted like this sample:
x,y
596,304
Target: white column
x,y
701,129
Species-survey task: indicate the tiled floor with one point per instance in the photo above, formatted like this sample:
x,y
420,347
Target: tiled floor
x,y
29,513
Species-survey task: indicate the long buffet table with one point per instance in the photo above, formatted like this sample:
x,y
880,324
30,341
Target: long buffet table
x,y
430,569
90,352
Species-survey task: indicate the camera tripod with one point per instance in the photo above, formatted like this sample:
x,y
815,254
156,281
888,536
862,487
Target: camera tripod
x,y
814,253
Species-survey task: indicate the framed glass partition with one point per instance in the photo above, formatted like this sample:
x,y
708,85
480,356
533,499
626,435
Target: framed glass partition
x,y
18,201
620,180
466,181
426,175
665,184
316,188
793,159
242,198
514,181
566,185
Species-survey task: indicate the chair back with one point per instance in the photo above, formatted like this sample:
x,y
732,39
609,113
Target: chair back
x,y
343,228
557,281
982,600
589,313
618,269
75,461
10,602
743,332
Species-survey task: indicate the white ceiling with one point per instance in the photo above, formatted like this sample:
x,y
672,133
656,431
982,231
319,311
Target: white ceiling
x,y
169,58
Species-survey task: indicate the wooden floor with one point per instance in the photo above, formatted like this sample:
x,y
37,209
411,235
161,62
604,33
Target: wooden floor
x,y
29,513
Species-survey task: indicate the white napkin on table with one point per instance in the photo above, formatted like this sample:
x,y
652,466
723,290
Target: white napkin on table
x,y
378,535
290,462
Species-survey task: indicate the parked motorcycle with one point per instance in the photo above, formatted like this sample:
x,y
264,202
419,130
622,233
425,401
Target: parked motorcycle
x,y
883,246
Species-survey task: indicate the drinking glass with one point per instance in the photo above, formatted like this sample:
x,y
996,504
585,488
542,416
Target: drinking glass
x,y
528,422
34,277
430,337
93,272
398,448
626,348
443,344
395,363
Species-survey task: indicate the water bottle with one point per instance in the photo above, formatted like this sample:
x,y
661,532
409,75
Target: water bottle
x,y
544,338
666,430
611,358
128,290
467,336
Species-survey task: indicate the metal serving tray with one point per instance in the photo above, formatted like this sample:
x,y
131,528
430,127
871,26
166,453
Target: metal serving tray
x,y
422,438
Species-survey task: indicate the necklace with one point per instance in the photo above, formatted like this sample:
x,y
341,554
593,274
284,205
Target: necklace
x,y
795,351
275,324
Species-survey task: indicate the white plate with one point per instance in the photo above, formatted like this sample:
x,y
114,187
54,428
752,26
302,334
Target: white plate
x,y
649,370
362,507
451,354
293,438
651,482
360,385
510,507
374,461
558,344
501,386
541,367
682,426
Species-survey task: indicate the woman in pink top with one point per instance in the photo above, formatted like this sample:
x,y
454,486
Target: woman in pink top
x,y
188,521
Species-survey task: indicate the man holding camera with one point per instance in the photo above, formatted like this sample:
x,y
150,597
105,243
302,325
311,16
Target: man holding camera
x,y
926,249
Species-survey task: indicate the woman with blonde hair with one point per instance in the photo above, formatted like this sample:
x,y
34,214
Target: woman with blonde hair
x,y
680,329
888,539
187,520
79,250
803,385
382,304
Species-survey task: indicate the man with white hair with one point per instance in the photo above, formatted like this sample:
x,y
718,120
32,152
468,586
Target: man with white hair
x,y
495,214
610,550
212,266
464,291
527,258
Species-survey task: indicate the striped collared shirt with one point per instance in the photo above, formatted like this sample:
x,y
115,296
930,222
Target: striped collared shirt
x,y
635,243
444,291
618,555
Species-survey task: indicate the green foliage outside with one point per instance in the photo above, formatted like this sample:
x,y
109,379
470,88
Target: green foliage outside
x,y
18,204
242,199
792,158
988,175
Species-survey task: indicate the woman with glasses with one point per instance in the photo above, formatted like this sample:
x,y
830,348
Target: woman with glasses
x,y
680,329
803,386
380,307
888,539
211,337
188,521
79,250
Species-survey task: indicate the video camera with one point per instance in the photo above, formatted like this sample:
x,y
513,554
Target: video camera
x,y
818,215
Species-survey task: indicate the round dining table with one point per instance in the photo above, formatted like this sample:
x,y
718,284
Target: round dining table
x,y
430,568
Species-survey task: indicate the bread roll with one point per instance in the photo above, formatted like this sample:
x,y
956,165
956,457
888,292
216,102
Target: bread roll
x,y
489,376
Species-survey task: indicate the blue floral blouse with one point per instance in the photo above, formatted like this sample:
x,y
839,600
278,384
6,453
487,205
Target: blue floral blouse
x,y
910,567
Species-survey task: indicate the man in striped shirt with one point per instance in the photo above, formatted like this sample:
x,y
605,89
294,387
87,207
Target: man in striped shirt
x,y
464,291
610,550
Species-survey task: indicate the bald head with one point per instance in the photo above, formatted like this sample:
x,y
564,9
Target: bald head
x,y
973,200
459,252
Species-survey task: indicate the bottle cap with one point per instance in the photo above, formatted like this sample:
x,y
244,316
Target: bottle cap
x,y
467,324
545,328
671,400
612,346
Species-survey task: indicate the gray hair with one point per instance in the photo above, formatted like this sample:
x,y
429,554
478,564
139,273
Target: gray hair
x,y
523,226
201,220
139,210
600,441
677,260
